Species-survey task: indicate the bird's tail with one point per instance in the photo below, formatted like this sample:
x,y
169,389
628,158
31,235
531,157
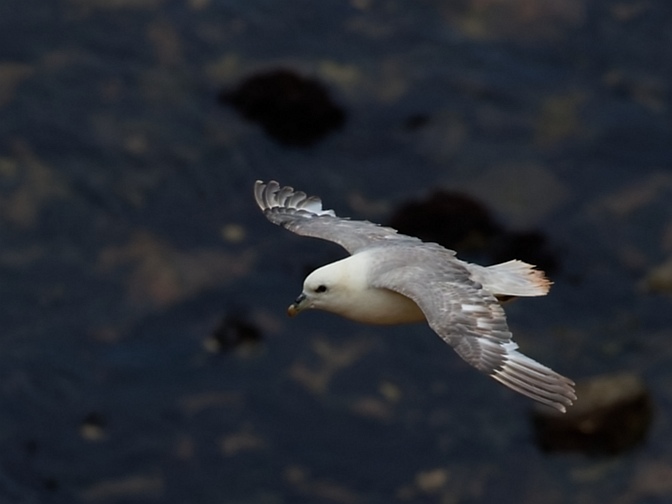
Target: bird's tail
x,y
512,278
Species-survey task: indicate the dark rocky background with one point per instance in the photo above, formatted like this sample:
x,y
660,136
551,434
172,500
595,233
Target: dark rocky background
x,y
145,355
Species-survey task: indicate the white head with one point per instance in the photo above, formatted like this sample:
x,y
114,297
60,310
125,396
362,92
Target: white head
x,y
337,287
326,288
342,288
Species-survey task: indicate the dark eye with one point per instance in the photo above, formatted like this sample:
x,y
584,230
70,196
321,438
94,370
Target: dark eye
x,y
321,288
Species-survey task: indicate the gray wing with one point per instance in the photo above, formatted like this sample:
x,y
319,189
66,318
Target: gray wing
x,y
473,322
303,215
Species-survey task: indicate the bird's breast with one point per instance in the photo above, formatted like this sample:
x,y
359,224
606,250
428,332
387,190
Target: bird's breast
x,y
383,306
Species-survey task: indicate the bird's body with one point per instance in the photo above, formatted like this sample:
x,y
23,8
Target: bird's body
x,y
391,278
357,300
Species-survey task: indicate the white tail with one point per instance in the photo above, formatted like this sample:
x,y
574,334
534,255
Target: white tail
x,y
512,278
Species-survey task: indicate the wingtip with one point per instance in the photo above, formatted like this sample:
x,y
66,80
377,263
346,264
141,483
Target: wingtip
x,y
526,376
270,195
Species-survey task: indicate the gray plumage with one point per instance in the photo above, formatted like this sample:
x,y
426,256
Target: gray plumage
x,y
457,299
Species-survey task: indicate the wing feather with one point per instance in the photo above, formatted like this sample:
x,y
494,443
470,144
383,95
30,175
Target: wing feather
x,y
472,321
304,215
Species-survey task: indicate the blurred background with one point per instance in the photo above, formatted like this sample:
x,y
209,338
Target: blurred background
x,y
145,354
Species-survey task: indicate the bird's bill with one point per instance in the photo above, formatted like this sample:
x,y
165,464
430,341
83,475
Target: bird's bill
x,y
297,306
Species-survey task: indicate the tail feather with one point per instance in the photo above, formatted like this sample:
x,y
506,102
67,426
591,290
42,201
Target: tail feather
x,y
512,278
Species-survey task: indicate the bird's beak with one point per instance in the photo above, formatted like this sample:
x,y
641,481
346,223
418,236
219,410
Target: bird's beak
x,y
297,306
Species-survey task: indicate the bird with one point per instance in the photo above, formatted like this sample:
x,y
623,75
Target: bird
x,y
390,278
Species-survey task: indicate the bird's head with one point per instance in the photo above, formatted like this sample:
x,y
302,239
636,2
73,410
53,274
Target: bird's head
x,y
323,289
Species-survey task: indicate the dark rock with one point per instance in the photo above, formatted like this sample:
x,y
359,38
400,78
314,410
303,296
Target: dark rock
x,y
294,110
462,223
529,246
612,414
453,219
233,332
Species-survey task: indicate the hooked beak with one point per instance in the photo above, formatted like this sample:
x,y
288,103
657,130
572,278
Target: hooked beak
x,y
297,306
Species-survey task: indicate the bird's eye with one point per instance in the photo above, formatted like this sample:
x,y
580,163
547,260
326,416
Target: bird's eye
x,y
321,288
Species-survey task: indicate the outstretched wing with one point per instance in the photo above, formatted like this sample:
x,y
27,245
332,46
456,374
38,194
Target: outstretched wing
x,y
303,215
472,321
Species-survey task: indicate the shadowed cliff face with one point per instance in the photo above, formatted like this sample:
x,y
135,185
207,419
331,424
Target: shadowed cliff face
x,y
145,355
292,109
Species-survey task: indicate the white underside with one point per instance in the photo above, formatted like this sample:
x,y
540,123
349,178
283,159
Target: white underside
x,y
382,306
352,297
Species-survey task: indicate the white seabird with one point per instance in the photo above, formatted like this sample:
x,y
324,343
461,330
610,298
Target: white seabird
x,y
391,278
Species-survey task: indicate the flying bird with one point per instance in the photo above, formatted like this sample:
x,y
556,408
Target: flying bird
x,y
391,278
